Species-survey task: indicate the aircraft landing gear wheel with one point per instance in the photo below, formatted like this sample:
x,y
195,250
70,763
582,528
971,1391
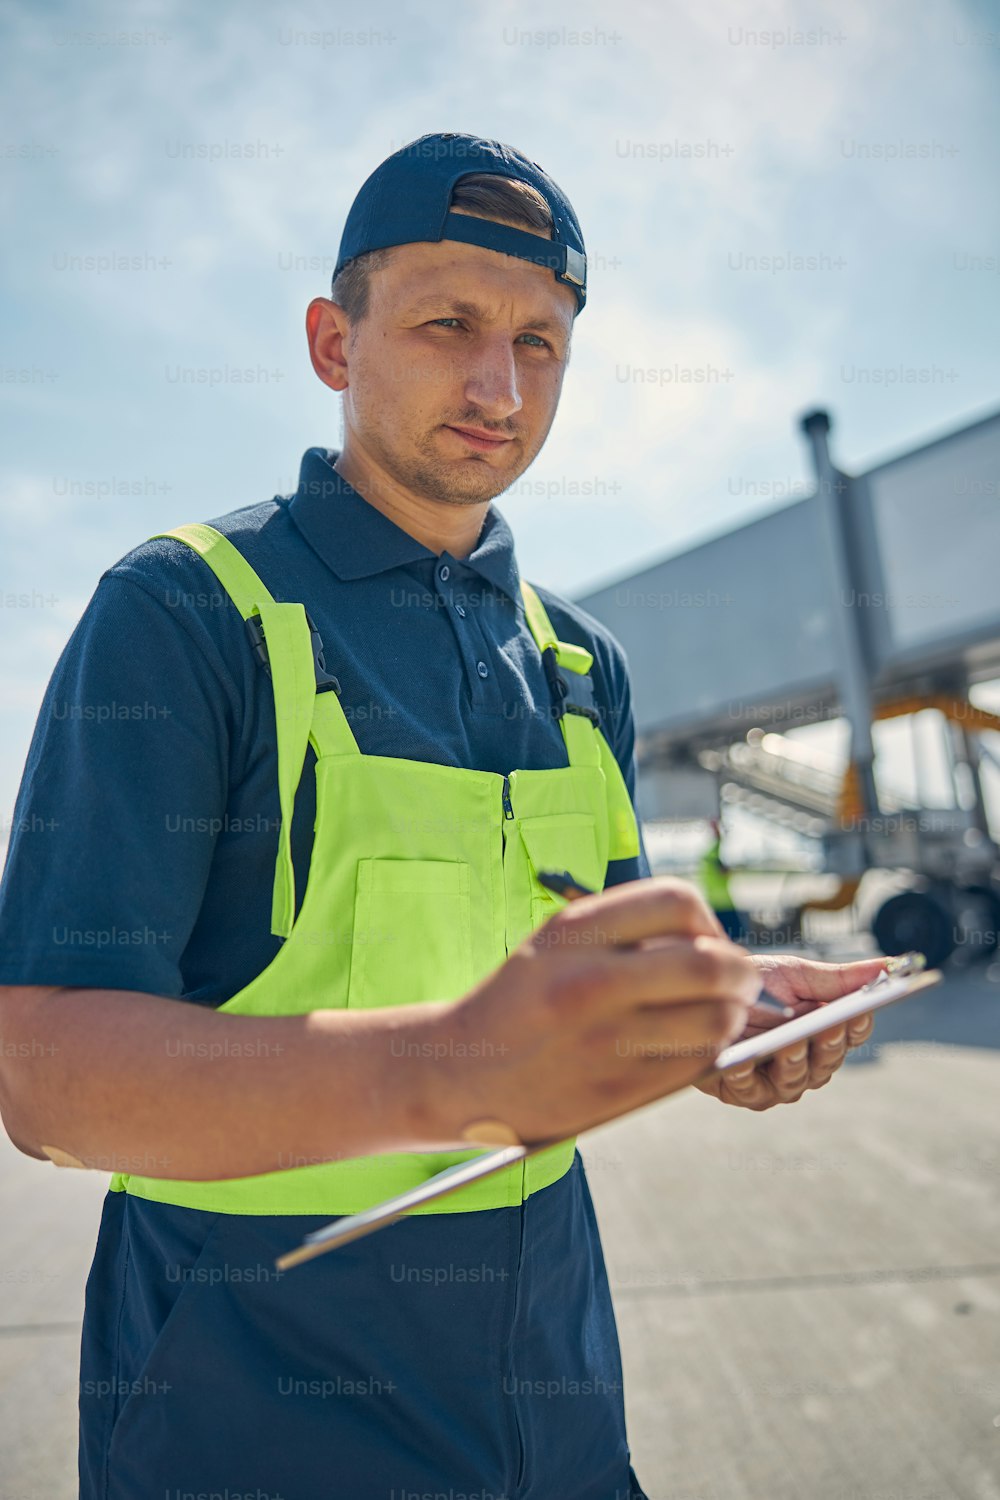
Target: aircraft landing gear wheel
x,y
913,920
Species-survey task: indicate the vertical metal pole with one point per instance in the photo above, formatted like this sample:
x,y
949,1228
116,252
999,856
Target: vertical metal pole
x,y
971,741
967,744
855,688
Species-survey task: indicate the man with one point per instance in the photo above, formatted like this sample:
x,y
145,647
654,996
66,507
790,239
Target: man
x,y
455,732
714,873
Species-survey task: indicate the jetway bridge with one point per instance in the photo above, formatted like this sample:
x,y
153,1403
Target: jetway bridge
x,y
875,597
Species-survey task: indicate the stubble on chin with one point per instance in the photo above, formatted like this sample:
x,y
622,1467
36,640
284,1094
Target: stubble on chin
x,y
466,482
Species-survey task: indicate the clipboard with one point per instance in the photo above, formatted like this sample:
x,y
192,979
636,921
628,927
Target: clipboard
x,y
882,991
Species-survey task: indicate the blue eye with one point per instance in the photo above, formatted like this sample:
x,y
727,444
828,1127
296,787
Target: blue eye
x,y
539,343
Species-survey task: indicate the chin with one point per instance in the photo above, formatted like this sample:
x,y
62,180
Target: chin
x,y
475,493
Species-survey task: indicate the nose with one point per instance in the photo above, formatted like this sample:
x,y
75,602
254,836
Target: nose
x,y
491,384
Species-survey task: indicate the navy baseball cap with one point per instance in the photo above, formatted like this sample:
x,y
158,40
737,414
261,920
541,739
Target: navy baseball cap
x,y
407,199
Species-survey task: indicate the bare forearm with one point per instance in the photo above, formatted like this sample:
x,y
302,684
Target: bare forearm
x,y
131,1082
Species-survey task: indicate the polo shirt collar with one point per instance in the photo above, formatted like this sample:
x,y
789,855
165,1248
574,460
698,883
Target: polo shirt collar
x,y
355,540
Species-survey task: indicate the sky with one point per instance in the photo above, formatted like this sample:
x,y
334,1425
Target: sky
x,y
779,214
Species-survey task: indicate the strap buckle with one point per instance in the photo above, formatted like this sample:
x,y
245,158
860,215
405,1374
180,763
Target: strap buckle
x,y
572,692
576,268
324,679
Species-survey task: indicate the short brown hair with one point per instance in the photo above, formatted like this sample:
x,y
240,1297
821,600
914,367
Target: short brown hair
x,y
484,194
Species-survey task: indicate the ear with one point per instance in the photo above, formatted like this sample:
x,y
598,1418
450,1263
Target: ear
x,y
327,328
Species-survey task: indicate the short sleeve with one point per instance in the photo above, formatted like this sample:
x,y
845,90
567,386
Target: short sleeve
x,y
133,735
620,729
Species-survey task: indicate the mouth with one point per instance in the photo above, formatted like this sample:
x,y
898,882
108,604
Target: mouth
x,y
484,442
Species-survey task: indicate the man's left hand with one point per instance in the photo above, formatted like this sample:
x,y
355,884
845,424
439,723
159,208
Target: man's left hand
x,y
785,1077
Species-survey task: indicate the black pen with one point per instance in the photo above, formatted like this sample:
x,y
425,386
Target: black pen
x,y
562,882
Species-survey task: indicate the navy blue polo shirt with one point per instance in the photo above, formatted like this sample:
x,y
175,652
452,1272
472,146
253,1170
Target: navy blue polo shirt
x,y
142,857
144,835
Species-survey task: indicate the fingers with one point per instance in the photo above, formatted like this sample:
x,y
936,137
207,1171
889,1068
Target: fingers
x,y
793,1071
639,909
809,1065
790,1072
706,968
828,981
827,1052
748,1086
831,1047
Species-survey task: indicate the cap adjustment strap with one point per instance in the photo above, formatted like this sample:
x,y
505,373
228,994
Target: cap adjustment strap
x,y
568,264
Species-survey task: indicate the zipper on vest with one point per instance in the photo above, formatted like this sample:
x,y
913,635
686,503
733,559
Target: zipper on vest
x,y
508,817
520,1169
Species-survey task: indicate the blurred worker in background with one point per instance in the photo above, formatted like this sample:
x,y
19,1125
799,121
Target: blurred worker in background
x,y
713,873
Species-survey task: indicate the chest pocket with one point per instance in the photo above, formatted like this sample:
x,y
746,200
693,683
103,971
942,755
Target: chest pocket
x,y
560,841
411,939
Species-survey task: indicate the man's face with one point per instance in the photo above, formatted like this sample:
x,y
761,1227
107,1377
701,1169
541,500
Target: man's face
x,y
457,336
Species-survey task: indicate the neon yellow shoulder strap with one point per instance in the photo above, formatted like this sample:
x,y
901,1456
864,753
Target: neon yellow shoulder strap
x,y
293,680
623,830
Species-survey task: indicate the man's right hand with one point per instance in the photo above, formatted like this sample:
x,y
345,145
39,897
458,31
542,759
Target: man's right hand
x,y
618,999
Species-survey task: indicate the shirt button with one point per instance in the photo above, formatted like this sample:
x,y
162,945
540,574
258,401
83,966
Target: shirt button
x,y
444,572
460,609
482,669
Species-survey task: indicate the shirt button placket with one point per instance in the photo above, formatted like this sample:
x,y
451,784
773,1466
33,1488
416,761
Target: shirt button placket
x,y
466,643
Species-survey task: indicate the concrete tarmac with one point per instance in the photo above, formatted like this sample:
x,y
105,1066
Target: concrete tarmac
x,y
808,1299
